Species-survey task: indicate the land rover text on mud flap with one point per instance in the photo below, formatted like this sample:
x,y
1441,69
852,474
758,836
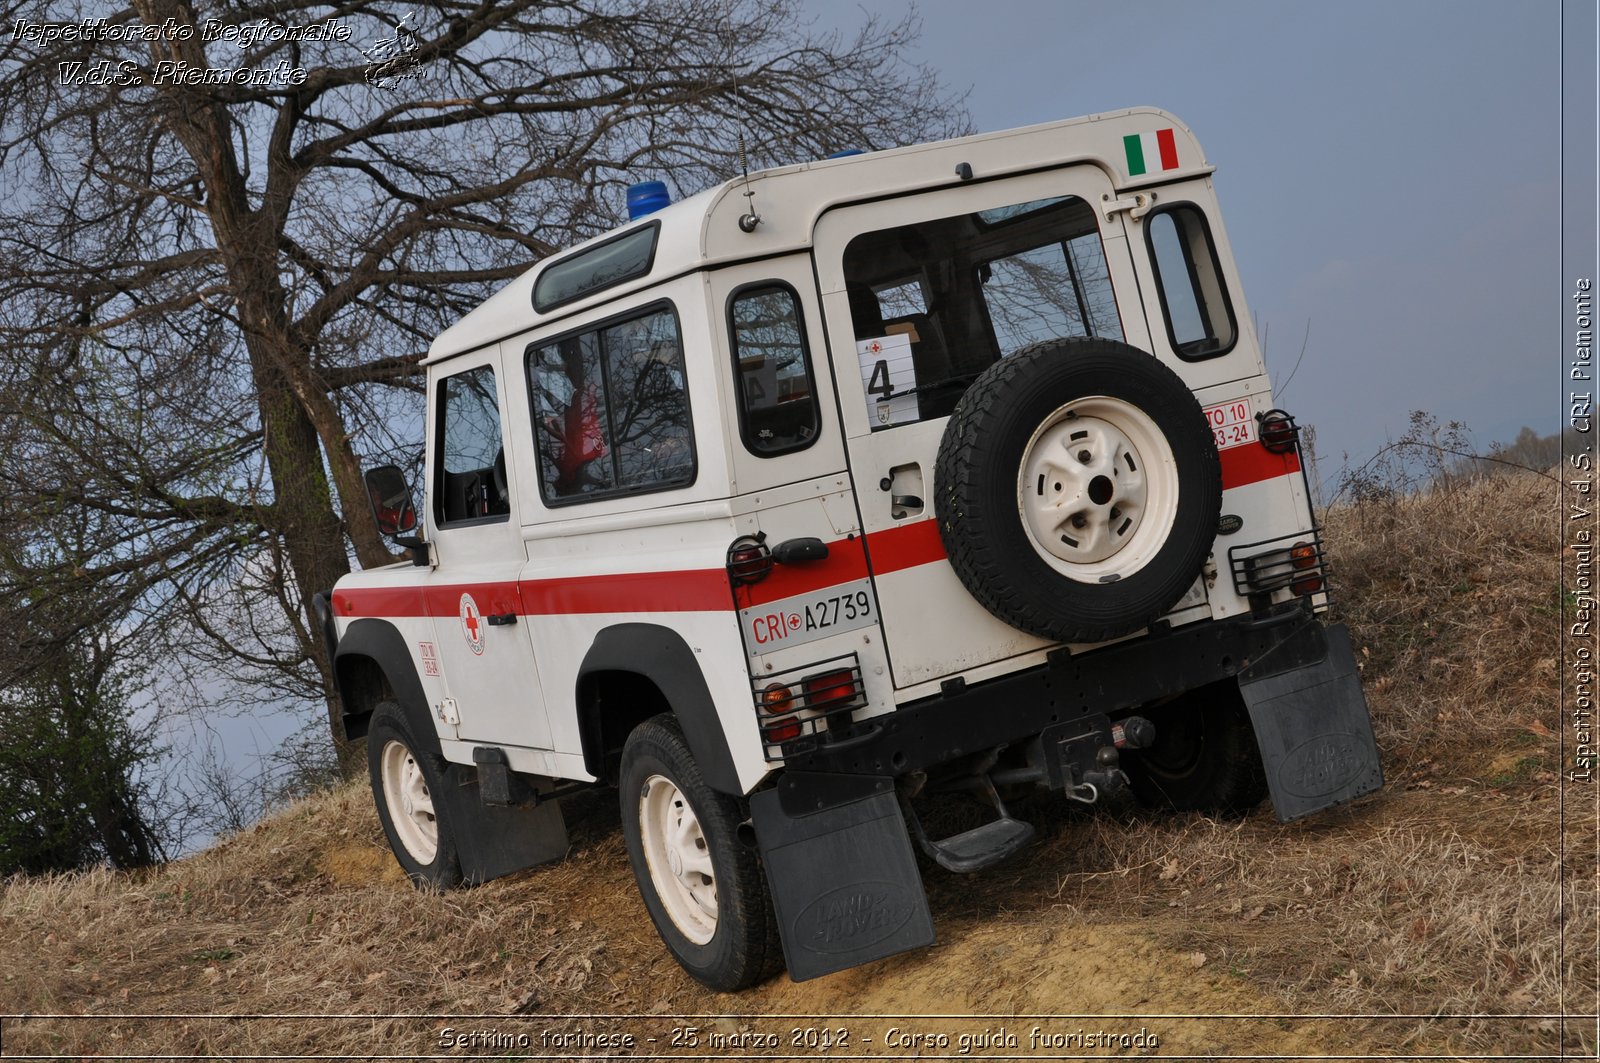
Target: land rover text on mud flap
x,y
949,467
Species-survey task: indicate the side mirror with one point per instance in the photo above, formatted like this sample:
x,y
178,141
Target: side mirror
x,y
390,497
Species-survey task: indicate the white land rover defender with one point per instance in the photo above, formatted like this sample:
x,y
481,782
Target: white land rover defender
x,y
953,466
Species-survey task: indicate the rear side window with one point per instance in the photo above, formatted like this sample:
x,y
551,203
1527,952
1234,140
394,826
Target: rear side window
x,y
611,410
1194,300
472,470
777,399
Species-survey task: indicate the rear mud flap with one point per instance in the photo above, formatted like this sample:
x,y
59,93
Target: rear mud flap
x,y
844,882
1314,731
496,840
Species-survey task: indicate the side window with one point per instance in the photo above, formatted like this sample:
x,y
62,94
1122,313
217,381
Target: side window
x,y
611,410
777,404
472,461
649,403
571,425
1199,317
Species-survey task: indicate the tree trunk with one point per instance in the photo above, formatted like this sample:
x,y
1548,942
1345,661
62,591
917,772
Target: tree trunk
x,y
303,512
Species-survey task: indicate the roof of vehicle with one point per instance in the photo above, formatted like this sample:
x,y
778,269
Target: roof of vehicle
x,y
703,229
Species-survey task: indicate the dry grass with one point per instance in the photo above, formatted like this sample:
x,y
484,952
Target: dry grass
x,y
1453,600
306,913
1443,895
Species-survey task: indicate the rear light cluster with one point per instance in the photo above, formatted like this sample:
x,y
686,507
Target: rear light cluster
x,y
1306,558
1279,433
797,705
1294,561
749,560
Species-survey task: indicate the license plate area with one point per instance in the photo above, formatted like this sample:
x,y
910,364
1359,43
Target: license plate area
x,y
1232,424
807,617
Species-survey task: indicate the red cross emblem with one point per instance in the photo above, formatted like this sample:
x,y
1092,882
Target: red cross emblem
x,y
472,623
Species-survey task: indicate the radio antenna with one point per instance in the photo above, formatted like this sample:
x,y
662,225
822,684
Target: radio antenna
x,y
750,219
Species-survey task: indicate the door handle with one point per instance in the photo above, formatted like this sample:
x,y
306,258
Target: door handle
x,y
501,619
906,501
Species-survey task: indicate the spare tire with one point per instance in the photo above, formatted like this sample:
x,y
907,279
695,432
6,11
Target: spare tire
x,y
1078,489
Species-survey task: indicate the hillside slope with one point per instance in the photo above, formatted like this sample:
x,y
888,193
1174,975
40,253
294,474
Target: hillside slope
x,y
1440,896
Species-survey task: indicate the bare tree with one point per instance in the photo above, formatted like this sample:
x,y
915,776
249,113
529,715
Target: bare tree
x,y
215,286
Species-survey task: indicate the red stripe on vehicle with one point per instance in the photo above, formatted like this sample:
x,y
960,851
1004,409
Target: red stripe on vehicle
x,y
1253,463
1169,149
492,599
379,601
689,591
905,546
708,590
845,563
695,590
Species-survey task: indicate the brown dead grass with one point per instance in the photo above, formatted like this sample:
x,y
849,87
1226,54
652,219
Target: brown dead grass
x,y
1464,889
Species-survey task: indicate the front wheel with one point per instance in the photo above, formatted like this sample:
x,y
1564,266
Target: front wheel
x,y
705,891
406,778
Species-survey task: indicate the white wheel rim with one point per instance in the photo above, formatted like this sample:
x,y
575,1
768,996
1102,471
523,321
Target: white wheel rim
x,y
405,792
679,858
1097,489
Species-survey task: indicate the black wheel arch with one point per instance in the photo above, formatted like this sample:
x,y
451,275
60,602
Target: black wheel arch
x,y
373,664
650,669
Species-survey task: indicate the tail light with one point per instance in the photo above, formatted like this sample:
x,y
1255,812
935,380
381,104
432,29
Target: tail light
x,y
830,690
796,710
1304,556
749,560
776,700
1279,433
1295,562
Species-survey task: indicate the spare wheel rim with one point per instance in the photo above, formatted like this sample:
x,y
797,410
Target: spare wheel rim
x,y
1097,489
679,858
410,804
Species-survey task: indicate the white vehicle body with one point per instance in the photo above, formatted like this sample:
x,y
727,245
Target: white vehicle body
x,y
605,552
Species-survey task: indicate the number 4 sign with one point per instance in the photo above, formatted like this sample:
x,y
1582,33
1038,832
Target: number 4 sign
x,y
890,379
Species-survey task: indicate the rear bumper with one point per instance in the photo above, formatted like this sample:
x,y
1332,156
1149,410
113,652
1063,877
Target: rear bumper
x,y
844,879
964,720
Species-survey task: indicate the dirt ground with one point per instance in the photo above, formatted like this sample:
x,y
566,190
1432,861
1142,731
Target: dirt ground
x,y
1182,940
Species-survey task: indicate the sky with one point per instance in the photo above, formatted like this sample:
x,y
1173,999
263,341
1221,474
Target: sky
x,y
1388,175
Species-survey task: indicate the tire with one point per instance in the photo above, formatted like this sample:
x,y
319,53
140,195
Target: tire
x,y
1078,489
705,891
1205,757
405,777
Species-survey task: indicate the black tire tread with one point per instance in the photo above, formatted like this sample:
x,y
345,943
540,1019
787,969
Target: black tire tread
x,y
974,538
1227,777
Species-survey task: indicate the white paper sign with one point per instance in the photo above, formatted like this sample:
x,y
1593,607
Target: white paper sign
x,y
890,378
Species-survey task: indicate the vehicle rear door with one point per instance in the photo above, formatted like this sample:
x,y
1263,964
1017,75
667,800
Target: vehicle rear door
x,y
920,294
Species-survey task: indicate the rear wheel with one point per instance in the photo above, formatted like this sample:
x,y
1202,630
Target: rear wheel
x,y
1204,758
705,891
405,779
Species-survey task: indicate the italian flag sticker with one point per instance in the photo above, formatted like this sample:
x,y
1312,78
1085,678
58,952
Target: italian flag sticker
x,y
1150,151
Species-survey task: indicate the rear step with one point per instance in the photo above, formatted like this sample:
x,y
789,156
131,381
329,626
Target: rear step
x,y
976,849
